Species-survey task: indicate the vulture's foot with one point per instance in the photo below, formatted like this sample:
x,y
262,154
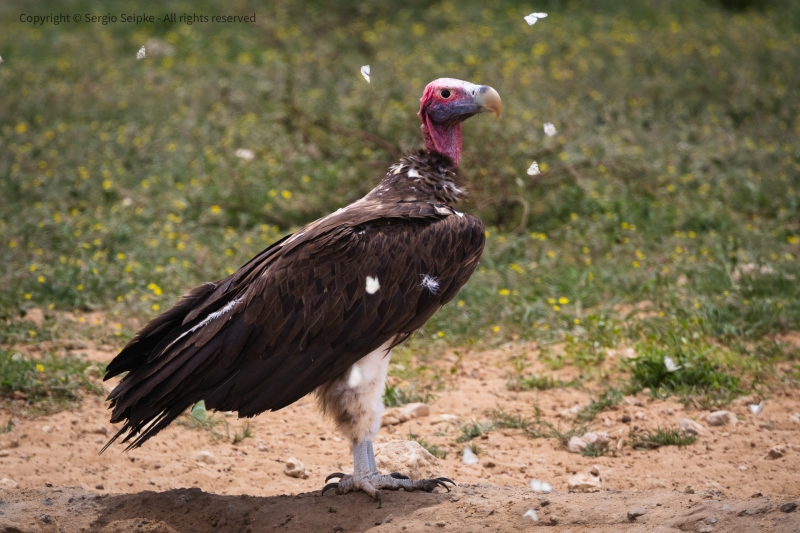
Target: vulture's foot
x,y
373,482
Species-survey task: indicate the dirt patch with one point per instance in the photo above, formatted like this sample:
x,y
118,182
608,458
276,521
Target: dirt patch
x,y
162,488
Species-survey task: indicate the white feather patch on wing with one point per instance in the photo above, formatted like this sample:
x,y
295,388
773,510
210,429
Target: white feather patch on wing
x,y
430,283
412,173
230,305
373,285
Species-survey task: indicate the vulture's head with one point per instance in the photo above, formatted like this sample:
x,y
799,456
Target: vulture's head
x,y
445,104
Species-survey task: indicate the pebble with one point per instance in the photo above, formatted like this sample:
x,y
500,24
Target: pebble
x,y
690,427
295,468
205,456
776,452
553,520
795,418
584,483
711,520
595,471
626,419
489,463
705,529
100,430
441,524
99,486
788,507
639,416
399,415
8,483
468,457
157,466
635,513
47,429
688,490
720,418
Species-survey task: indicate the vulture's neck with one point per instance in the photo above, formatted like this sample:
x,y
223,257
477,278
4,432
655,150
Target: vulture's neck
x,y
419,177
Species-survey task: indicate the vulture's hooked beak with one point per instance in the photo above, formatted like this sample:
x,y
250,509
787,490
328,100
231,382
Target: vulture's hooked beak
x,y
488,100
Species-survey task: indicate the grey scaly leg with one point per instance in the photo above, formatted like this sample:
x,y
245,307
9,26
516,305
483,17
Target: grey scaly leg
x,y
366,477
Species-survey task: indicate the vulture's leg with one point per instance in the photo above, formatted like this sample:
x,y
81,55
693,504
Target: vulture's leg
x,y
355,401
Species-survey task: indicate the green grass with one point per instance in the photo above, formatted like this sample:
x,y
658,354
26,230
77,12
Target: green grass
x,y
245,433
665,211
50,383
609,398
650,439
395,396
8,427
433,449
533,382
472,430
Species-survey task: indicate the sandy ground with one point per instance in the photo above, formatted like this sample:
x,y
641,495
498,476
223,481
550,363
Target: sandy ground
x,y
52,478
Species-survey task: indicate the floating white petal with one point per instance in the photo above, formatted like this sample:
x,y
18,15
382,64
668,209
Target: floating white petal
x,y
533,170
468,457
244,153
669,362
549,129
541,486
533,17
756,408
531,513
373,285
141,53
365,72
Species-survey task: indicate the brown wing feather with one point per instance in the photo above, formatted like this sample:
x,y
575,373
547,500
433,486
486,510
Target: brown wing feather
x,y
295,317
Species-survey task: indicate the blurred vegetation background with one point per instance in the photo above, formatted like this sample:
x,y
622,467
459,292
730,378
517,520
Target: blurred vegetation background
x,y
665,217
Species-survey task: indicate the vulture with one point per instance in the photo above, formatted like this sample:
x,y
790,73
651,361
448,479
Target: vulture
x,y
321,309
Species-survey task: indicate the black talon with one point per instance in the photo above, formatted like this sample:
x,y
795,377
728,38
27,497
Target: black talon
x,y
447,479
334,475
398,475
442,484
328,486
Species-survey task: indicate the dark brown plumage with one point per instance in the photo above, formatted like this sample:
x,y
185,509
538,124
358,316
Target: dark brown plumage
x,y
299,314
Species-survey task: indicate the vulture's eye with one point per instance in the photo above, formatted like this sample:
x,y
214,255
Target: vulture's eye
x,y
446,93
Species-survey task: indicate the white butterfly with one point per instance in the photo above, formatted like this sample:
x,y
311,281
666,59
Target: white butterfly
x,y
533,170
532,514
365,72
140,53
533,17
549,129
541,486
468,457
756,408
244,153
669,362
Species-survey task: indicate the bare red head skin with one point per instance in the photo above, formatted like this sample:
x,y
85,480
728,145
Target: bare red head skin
x,y
445,104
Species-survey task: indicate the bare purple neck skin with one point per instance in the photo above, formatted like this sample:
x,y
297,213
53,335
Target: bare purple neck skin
x,y
443,139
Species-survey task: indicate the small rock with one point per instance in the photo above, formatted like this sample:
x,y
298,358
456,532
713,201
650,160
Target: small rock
x,y
599,439
576,445
408,457
788,507
626,419
489,463
441,524
48,484
776,452
35,315
705,529
688,490
468,457
205,456
584,483
795,418
711,520
595,471
553,520
3,453
262,447
720,418
336,529
756,495
99,486
639,416
294,468
690,427
417,410
157,465
670,411
100,430
635,513
47,429
8,483
398,415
